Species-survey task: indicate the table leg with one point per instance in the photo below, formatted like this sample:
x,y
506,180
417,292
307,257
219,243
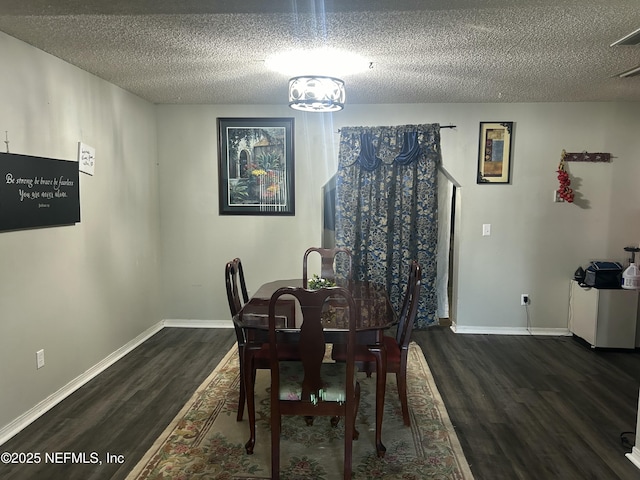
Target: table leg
x,y
249,387
380,352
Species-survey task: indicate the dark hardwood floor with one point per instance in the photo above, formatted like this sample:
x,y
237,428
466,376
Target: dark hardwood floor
x,y
124,409
529,407
523,407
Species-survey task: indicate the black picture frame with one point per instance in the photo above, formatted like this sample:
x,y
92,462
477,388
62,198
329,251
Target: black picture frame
x,y
256,166
494,154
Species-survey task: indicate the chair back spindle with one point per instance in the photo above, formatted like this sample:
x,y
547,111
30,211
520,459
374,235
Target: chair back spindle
x,y
328,259
237,293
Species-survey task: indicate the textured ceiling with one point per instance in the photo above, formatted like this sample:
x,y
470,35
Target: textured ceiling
x,y
423,51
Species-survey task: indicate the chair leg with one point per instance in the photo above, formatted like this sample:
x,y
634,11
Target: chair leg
x,y
275,446
350,426
242,397
348,453
367,367
249,371
356,433
401,380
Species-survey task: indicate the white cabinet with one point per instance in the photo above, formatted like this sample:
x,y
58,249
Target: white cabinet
x,y
604,317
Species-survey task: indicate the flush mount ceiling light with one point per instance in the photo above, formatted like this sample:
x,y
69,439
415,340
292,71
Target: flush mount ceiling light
x,y
315,86
318,61
316,93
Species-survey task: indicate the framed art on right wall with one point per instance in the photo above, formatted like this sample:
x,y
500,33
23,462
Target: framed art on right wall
x,y
494,156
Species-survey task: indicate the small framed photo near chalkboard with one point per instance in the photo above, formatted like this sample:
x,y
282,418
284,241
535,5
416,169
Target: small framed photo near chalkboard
x,y
37,192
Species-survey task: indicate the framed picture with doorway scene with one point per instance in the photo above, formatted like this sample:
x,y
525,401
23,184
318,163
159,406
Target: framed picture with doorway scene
x,y
494,156
256,166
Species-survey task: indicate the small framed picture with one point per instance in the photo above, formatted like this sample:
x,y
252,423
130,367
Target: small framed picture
x,y
494,157
256,166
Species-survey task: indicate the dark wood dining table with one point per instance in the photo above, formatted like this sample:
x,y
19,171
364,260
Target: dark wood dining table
x,y
375,315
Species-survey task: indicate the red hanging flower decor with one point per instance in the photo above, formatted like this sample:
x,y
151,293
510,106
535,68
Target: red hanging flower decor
x,y
565,192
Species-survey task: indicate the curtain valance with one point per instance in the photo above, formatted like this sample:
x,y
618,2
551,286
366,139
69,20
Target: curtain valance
x,y
401,145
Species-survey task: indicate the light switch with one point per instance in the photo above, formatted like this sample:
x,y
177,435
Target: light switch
x,y
486,229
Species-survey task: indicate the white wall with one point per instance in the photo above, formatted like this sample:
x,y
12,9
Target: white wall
x,y
535,245
78,292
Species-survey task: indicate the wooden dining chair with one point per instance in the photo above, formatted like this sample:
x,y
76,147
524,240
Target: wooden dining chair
x,y
311,387
397,347
328,258
237,296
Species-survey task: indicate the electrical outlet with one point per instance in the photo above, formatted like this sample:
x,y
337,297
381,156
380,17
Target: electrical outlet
x,y
40,358
524,299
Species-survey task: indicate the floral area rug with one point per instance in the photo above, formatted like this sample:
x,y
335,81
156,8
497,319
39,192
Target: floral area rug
x,y
205,441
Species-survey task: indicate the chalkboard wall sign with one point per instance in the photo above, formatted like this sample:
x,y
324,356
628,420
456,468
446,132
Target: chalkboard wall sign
x,y
37,192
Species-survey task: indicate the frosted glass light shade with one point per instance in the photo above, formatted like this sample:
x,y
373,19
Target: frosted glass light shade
x,y
316,94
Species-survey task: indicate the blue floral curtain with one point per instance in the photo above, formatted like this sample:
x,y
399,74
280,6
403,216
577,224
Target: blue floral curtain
x,y
386,207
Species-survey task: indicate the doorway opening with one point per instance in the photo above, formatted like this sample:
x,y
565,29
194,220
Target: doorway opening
x,y
448,217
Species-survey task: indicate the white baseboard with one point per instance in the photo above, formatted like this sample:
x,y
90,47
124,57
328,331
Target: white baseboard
x,y
634,456
554,332
52,400
190,323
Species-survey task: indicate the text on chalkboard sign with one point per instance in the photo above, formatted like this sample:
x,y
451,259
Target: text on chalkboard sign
x,y
38,192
